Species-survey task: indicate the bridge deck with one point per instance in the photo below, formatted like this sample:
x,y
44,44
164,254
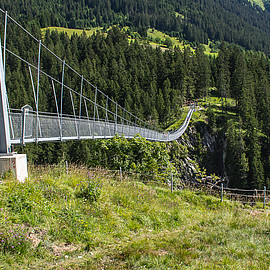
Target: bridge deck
x,y
43,127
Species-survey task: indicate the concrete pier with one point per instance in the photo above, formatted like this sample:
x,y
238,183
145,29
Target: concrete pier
x,y
16,163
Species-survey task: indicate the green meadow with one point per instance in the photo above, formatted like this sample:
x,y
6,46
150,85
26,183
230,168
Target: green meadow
x,y
154,38
70,31
88,220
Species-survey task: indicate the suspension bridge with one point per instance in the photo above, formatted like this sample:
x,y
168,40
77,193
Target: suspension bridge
x,y
72,114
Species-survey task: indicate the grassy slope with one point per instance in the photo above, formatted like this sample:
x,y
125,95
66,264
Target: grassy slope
x,y
216,104
70,31
260,3
151,33
201,114
131,226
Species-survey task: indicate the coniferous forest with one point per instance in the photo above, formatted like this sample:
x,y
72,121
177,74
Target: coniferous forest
x,y
153,83
234,21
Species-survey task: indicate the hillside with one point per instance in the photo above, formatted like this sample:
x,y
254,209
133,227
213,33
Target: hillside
x,y
242,22
87,219
154,37
154,84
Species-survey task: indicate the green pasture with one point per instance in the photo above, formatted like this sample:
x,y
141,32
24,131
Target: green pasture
x,y
154,38
88,220
70,31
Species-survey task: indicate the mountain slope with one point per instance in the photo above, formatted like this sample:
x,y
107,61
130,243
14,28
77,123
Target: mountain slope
x,y
235,21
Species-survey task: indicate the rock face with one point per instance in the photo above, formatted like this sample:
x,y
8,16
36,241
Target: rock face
x,y
209,141
205,149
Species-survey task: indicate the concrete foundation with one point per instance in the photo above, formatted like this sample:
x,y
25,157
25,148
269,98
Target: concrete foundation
x,y
17,163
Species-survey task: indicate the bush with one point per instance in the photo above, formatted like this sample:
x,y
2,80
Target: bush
x,y
89,190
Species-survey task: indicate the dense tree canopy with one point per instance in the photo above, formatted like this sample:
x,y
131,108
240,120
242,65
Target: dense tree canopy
x,y
234,21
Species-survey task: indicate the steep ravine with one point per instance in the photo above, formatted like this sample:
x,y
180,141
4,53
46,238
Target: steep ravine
x,y
205,152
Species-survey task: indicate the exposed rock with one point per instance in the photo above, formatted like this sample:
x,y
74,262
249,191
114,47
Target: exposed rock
x,y
204,151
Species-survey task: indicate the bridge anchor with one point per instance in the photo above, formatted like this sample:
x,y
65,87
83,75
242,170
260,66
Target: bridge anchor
x,y
14,163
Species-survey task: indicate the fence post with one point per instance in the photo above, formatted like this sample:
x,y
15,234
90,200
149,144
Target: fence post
x,y
256,195
221,194
171,183
66,167
264,197
120,171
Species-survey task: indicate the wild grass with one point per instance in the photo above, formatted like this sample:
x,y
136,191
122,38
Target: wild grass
x,y
125,225
220,109
71,31
179,122
259,3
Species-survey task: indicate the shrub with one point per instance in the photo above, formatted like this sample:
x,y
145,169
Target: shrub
x,y
88,190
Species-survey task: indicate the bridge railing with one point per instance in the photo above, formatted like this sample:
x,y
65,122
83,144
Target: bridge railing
x,y
51,127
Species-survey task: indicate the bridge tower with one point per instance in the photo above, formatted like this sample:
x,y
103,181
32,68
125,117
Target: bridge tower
x,y
9,161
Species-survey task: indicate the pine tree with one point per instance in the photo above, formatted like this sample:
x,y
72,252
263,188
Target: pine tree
x,y
202,73
238,73
256,173
236,161
223,76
